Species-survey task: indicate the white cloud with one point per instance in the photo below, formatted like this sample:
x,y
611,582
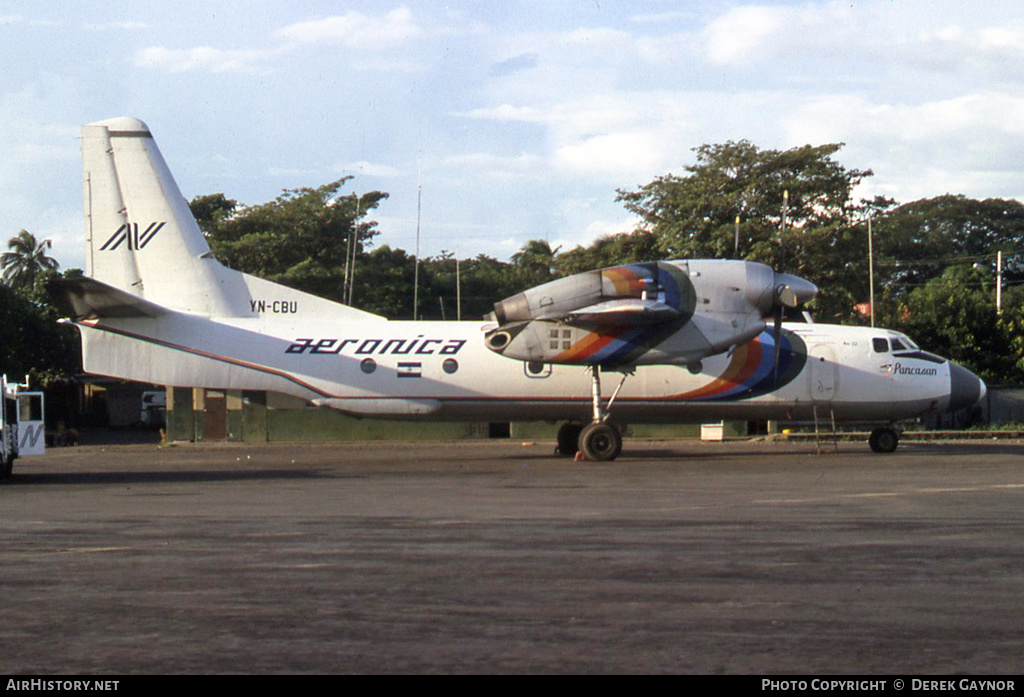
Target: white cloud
x,y
858,37
125,26
354,30
663,17
620,155
743,33
490,165
586,230
508,112
971,144
364,168
357,30
202,58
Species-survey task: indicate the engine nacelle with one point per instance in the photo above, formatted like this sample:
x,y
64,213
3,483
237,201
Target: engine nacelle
x,y
662,312
557,299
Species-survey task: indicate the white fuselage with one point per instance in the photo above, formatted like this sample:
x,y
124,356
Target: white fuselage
x,y
442,370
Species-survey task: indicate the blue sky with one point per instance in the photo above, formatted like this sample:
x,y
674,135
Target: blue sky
x,y
519,118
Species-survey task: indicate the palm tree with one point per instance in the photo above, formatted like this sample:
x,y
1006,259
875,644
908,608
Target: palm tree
x,y
535,261
26,260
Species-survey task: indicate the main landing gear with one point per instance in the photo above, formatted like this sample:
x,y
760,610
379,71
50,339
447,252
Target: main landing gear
x,y
599,440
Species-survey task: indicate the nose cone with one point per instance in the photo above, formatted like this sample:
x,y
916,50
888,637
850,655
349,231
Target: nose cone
x,y
793,291
965,388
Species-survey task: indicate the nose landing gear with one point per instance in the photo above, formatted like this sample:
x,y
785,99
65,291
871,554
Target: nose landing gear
x,y
884,440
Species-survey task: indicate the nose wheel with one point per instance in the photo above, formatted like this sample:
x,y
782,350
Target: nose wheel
x,y
884,440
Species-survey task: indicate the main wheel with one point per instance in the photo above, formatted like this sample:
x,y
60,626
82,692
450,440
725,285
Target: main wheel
x,y
569,439
601,442
884,440
6,467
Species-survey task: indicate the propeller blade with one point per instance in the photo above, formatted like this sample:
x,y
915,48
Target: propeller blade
x,y
777,335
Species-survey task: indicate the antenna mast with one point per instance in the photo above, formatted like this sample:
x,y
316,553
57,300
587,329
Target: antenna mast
x,y
416,273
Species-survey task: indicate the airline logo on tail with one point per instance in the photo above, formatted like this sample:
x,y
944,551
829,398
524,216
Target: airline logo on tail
x,y
129,233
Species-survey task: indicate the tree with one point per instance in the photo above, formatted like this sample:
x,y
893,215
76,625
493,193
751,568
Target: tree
x,y
383,282
954,315
211,211
27,259
611,250
1011,324
33,342
915,242
302,239
535,262
694,215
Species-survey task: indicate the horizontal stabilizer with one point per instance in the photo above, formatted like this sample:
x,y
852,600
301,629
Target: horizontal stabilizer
x,y
87,298
628,311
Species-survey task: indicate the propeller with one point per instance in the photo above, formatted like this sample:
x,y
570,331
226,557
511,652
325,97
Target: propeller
x,y
790,291
783,292
777,336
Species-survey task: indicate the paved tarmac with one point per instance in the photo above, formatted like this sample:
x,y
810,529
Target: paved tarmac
x,y
486,557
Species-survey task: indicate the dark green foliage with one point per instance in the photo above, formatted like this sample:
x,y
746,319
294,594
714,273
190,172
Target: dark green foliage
x,y
300,239
955,316
33,343
915,242
25,260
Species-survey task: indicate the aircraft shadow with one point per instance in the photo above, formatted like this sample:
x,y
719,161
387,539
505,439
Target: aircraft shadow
x,y
966,447
179,476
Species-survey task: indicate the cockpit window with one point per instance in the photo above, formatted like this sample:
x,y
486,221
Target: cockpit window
x,y
897,345
880,344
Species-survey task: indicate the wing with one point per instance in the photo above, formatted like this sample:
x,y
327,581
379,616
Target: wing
x,y
627,312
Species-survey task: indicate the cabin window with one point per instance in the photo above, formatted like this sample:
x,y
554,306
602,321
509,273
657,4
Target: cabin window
x,y
880,344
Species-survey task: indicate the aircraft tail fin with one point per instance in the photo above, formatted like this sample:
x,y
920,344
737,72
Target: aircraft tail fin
x,y
142,238
140,234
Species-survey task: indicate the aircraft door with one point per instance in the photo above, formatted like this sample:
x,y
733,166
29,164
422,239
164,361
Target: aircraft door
x,y
824,372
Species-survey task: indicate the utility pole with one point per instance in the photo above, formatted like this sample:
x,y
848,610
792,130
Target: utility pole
x,y
999,283
416,273
871,273
782,230
350,256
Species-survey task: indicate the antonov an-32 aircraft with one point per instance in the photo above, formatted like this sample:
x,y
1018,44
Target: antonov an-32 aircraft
x,y
692,340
